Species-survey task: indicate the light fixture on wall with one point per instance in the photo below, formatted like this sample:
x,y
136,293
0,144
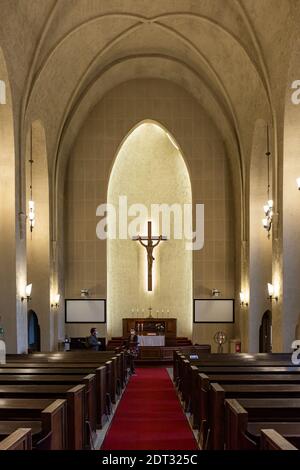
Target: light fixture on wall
x,y
268,207
28,290
243,299
271,292
215,293
31,204
298,183
55,302
84,293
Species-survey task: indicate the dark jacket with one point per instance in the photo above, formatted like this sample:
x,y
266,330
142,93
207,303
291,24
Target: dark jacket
x,y
93,343
132,341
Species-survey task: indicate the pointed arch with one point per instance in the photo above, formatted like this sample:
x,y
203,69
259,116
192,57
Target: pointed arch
x,y
149,168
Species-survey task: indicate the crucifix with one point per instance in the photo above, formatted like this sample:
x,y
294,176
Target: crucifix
x,y
150,247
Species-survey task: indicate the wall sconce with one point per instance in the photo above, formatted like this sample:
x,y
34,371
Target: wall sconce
x,y
28,290
55,302
242,299
268,219
31,204
271,291
298,183
215,293
268,207
84,293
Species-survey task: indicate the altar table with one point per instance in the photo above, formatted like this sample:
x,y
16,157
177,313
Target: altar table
x,y
151,340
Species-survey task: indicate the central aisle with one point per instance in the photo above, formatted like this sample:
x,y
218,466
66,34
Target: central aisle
x,y
149,416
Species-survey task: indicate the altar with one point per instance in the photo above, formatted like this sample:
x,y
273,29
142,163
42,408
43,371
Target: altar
x,y
167,327
151,340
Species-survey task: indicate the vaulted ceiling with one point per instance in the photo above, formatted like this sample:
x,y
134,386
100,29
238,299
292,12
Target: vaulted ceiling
x,y
232,55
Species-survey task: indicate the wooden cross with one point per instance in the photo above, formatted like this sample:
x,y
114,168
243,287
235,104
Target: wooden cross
x,y
149,247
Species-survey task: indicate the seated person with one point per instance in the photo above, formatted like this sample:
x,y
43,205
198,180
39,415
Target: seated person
x,y
93,341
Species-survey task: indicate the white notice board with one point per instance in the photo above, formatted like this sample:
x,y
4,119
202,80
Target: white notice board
x,y
85,311
213,310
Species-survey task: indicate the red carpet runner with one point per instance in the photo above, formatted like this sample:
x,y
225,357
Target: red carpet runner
x,y
149,416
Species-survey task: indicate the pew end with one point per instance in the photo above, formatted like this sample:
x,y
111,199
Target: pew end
x,y
18,440
236,421
272,440
54,420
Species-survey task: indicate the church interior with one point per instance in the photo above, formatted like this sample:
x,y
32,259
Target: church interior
x,y
149,224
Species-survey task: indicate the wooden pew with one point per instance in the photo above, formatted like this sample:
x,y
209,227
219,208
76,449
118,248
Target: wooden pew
x,y
201,384
52,414
18,440
254,369
75,397
214,414
117,360
272,440
112,373
227,361
188,383
239,412
231,359
89,381
64,365
96,390
290,431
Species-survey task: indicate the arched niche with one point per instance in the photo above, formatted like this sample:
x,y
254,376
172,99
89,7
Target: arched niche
x,y
34,334
149,169
38,240
265,333
260,246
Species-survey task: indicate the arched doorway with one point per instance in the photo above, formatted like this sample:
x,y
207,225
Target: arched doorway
x,y
34,333
149,169
265,333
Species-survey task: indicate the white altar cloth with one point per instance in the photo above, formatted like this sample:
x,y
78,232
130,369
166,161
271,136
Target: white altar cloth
x,y
158,340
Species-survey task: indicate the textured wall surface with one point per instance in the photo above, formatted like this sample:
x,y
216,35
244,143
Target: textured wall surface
x,y
87,177
149,170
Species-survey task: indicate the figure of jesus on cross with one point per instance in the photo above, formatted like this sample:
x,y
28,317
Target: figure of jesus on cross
x,y
150,247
